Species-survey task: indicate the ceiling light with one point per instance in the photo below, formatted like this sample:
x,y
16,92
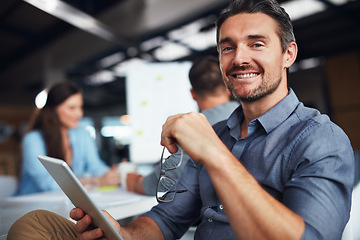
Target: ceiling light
x,y
152,43
310,63
300,9
120,69
202,40
304,8
77,18
170,51
339,2
306,64
100,77
111,60
189,29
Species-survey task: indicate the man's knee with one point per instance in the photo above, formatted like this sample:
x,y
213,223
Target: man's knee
x,y
42,224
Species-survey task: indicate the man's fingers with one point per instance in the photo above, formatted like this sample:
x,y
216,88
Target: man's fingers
x,y
83,224
77,214
112,220
168,138
90,235
185,130
84,228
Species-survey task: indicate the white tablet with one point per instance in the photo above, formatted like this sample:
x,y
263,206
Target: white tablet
x,y
77,194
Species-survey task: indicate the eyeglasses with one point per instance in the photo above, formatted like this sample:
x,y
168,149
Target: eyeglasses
x,y
166,186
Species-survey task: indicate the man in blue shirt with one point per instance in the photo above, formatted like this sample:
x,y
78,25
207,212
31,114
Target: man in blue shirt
x,y
274,170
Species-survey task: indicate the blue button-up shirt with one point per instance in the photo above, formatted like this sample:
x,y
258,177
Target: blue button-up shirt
x,y
295,153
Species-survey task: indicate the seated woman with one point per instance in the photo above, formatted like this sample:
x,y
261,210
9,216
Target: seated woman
x,y
53,131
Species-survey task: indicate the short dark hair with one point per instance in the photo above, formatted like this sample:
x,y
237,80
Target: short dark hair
x,y
205,76
268,7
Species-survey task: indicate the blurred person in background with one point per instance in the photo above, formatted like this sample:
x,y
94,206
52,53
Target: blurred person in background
x,y
53,131
213,99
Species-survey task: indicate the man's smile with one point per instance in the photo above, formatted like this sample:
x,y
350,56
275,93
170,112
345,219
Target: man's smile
x,y
246,75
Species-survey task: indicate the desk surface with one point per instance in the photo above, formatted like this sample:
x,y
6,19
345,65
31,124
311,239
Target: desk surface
x,y
119,203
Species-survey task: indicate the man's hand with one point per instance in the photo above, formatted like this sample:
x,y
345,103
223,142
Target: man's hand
x,y
140,228
193,133
110,178
134,183
84,229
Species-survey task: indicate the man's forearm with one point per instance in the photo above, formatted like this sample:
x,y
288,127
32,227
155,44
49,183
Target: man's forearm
x,y
252,212
142,228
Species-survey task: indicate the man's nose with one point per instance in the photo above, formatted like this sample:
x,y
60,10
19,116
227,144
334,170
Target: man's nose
x,y
241,56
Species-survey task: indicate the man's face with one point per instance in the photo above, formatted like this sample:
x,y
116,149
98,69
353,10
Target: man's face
x,y
251,58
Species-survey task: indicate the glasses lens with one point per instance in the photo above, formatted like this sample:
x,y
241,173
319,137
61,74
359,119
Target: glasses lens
x,y
173,161
165,190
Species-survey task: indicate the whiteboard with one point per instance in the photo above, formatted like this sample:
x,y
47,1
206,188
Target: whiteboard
x,y
155,91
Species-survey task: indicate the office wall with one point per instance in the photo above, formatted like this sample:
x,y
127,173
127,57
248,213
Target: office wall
x,y
343,80
15,117
309,87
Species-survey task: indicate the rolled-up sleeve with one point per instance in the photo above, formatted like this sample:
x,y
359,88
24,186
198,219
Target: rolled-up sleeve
x,y
321,185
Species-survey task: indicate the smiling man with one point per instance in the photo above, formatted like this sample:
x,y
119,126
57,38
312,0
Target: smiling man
x,y
252,62
274,170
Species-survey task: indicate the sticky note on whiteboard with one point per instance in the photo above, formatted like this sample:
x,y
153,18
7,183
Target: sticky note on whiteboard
x,y
155,91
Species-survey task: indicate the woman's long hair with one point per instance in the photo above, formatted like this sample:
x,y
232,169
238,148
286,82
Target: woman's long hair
x,y
47,121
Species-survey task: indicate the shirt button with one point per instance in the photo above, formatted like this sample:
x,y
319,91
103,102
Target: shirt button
x,y
221,207
210,220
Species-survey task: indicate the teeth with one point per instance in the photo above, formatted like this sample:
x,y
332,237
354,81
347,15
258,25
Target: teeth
x,y
248,75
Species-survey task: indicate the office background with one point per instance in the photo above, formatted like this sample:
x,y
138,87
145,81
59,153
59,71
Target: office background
x,y
46,41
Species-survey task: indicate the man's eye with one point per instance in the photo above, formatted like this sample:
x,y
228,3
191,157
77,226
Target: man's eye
x,y
257,45
227,49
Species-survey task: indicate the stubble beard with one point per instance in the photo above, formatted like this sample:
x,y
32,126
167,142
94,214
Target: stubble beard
x,y
263,90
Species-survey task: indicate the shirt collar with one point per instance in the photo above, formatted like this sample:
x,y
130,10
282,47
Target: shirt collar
x,y
279,113
269,120
234,122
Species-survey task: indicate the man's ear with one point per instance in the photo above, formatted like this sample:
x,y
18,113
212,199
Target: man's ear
x,y
290,54
193,94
